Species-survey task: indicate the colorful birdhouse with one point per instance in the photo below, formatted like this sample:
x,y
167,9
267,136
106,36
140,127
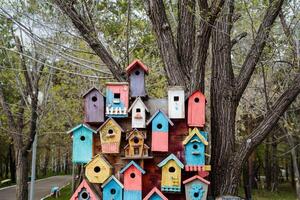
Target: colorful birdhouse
x,y
136,72
136,147
171,174
85,192
110,136
160,131
98,169
196,188
196,109
117,99
93,106
138,110
132,181
82,143
112,189
176,102
155,194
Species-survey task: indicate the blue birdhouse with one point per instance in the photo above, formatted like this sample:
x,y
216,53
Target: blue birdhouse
x,y
112,189
82,143
196,188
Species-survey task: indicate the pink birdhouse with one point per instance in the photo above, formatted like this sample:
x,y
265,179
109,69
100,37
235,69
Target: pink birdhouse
x,y
196,109
84,191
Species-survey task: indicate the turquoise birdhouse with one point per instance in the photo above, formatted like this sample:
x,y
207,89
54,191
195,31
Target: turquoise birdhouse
x,y
196,188
82,143
112,189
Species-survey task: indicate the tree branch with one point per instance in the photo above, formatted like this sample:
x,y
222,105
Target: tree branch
x,y
6,109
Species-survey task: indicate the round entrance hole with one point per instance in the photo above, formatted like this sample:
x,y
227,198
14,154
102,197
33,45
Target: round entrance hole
x,y
137,73
136,140
159,126
196,100
195,146
82,138
97,169
110,131
94,98
172,169
132,175
84,195
113,191
196,194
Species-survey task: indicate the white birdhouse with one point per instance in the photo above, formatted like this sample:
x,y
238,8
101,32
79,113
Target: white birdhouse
x,y
176,107
138,110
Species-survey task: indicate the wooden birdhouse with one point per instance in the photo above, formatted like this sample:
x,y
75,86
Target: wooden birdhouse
x,y
98,169
117,99
196,188
82,143
93,106
138,110
110,136
132,181
194,150
136,72
85,192
112,189
155,194
171,174
136,147
160,131
196,109
176,102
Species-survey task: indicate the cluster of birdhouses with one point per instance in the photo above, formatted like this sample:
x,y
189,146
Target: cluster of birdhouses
x,y
113,147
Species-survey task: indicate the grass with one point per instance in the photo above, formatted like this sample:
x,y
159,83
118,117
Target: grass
x,y
65,194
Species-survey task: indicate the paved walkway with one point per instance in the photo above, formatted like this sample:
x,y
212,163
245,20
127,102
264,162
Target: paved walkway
x,y
42,187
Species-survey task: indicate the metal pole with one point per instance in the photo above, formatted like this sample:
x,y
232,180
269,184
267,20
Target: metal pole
x,y
33,162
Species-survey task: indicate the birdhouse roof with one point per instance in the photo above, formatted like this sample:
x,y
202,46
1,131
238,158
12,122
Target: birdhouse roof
x,y
155,114
136,100
116,83
157,191
98,156
171,157
195,131
196,177
87,186
90,90
107,122
196,91
137,63
135,130
79,126
135,165
177,87
112,178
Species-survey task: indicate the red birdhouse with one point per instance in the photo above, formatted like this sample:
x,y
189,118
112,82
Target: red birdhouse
x,y
196,109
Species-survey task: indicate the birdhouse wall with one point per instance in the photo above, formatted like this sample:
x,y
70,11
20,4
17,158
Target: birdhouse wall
x,y
160,141
132,179
195,152
155,197
138,115
117,100
160,123
82,145
94,107
132,195
110,135
97,171
196,110
171,177
196,190
176,103
137,83
112,190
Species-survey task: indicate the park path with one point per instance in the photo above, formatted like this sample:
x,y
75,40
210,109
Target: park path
x,y
42,187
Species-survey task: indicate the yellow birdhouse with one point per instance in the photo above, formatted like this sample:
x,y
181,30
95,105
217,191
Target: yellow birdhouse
x,y
98,169
136,147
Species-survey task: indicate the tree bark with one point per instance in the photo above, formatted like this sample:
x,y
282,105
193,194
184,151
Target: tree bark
x,y
22,175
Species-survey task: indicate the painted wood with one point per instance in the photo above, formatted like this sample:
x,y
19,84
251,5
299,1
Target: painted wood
x,y
98,169
138,110
155,194
84,192
196,109
93,106
196,188
117,99
112,189
136,147
176,102
110,136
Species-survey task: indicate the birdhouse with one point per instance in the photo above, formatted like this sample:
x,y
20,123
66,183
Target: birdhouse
x,y
155,194
196,188
98,169
196,109
117,99
136,147
110,136
132,181
194,150
171,174
85,192
82,143
176,102
160,131
138,110
93,106
112,189
136,72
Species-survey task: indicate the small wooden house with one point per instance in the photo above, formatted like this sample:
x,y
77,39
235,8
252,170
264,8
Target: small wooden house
x,y
112,189
196,188
132,181
85,192
160,131
155,194
136,147
110,136
176,102
194,150
98,169
93,106
82,143
117,98
171,174
138,110
136,72
196,109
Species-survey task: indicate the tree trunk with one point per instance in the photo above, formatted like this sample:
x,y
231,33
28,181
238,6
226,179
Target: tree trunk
x,y
274,166
12,163
22,175
268,173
